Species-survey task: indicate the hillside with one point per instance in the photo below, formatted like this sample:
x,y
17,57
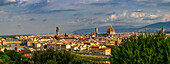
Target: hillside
x,y
149,28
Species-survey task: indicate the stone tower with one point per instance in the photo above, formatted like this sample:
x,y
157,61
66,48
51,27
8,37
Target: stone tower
x,y
96,31
163,29
57,31
91,34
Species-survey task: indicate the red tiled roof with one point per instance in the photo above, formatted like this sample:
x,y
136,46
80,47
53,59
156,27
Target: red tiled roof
x,y
25,51
95,46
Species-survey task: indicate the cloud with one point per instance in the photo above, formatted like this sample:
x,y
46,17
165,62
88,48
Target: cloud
x,y
92,1
152,17
103,4
138,10
6,2
3,12
32,19
113,16
44,20
37,5
164,4
141,0
166,18
166,0
124,13
137,14
99,13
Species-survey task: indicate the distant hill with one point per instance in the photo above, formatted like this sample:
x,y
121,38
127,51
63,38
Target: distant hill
x,y
149,28
155,27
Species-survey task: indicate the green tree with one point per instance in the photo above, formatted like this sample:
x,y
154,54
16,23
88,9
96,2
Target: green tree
x,y
15,56
50,56
4,58
142,49
5,50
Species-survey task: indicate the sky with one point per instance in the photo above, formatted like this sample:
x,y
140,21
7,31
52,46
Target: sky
x,y
43,16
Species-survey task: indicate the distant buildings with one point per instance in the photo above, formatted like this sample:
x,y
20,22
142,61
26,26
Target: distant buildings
x,y
110,33
27,53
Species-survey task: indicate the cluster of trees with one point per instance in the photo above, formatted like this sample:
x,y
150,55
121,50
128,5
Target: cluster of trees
x,y
143,49
11,56
50,56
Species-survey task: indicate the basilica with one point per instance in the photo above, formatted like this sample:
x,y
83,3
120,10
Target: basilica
x,y
110,33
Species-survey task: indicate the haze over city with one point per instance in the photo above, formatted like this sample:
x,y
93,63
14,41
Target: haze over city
x,y
42,16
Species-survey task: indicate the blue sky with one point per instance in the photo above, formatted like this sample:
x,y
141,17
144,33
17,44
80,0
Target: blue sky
x,y
42,16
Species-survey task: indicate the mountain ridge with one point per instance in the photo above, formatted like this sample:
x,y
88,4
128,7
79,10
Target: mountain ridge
x,y
148,28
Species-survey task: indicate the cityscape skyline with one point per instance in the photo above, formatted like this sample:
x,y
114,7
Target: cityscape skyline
x,y
42,16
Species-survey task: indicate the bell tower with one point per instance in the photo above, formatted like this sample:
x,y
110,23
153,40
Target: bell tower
x,y
96,31
57,31
163,29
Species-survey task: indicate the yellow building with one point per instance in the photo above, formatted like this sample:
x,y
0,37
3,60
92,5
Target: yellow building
x,y
94,44
11,42
105,51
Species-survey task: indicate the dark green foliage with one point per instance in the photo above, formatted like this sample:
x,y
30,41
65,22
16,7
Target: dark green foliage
x,y
143,49
58,57
4,58
45,46
5,50
15,56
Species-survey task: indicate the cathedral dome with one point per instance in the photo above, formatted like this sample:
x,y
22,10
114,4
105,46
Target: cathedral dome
x,y
111,29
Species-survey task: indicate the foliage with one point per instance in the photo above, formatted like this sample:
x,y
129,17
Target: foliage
x,y
15,56
94,58
4,58
142,49
45,46
5,50
50,56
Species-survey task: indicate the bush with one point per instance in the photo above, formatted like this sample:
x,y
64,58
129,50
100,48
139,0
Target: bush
x,y
143,49
50,56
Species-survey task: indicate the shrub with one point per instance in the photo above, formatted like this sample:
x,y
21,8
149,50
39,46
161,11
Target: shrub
x,y
143,49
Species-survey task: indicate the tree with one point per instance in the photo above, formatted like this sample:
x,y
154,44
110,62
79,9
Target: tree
x,y
15,56
50,56
4,58
5,50
142,49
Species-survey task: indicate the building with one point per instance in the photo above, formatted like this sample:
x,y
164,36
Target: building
x,y
57,31
163,31
105,51
27,53
95,50
110,33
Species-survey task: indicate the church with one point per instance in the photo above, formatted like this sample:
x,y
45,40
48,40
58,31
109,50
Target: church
x,y
110,33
